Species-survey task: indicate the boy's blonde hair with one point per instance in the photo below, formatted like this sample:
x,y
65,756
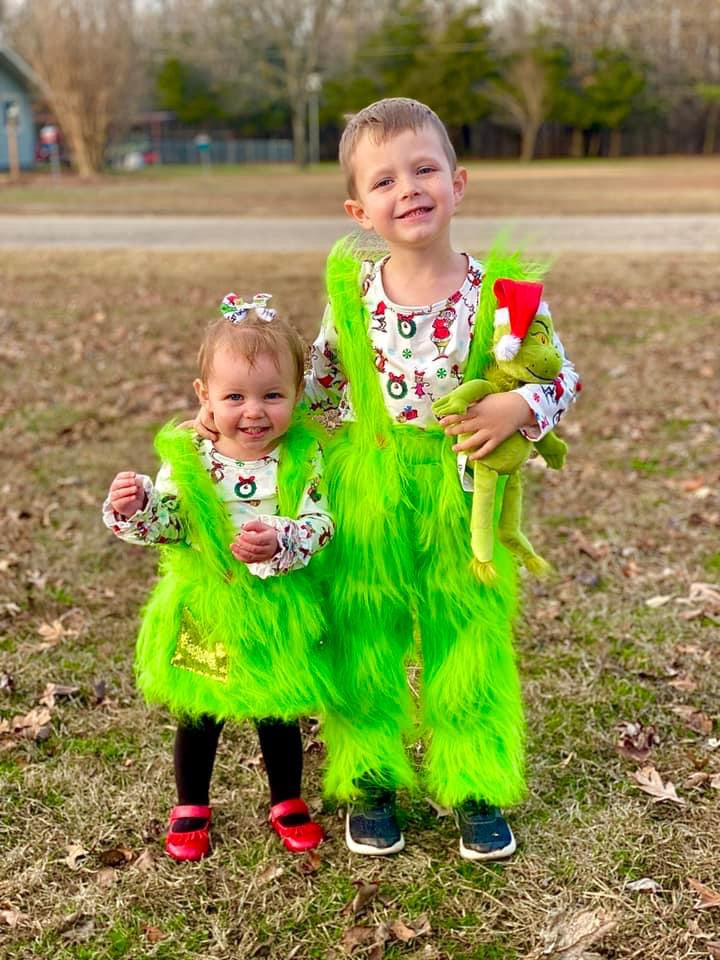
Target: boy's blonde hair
x,y
251,339
382,120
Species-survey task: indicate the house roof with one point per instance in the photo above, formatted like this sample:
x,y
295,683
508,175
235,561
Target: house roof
x,y
16,65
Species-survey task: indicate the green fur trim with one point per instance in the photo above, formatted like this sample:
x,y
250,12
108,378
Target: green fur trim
x,y
215,639
500,262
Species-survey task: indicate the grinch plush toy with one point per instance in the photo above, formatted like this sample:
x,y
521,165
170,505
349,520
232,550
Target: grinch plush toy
x,y
523,352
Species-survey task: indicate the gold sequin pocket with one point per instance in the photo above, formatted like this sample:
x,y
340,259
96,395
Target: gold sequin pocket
x,y
195,654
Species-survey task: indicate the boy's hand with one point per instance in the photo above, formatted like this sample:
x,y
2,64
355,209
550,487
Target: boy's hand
x,y
256,543
488,423
127,495
203,425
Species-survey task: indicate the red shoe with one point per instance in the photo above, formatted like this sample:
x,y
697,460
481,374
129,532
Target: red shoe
x,y
301,836
194,844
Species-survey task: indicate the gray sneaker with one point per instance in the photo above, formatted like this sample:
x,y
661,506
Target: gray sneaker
x,y
484,832
371,826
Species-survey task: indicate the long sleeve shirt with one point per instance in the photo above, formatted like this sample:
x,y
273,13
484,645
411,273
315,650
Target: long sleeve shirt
x,y
249,491
421,354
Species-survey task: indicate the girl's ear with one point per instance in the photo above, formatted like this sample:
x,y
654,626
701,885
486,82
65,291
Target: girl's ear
x,y
201,391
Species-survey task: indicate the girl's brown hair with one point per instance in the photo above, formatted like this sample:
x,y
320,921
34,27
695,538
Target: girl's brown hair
x,y
250,339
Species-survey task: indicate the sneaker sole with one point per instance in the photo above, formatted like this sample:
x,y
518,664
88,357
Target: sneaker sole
x,y
467,853
366,849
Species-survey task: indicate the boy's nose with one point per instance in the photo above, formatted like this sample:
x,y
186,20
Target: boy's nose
x,y
409,187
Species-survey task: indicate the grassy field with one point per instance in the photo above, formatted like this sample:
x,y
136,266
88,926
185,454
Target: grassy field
x,y
96,351
637,185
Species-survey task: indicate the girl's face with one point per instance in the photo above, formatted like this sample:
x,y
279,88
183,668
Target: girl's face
x,y
252,404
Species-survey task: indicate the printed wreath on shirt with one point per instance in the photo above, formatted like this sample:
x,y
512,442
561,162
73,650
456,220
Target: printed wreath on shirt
x,y
245,487
396,386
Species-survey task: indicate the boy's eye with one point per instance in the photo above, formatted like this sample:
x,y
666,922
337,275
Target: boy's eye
x,y
383,183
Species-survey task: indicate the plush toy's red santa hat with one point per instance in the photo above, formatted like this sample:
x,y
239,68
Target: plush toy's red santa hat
x,y
518,302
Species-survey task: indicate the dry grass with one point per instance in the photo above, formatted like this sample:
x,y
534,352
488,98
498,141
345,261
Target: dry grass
x,y
96,351
637,185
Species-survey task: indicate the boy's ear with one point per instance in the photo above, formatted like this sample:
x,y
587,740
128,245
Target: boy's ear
x,y
356,212
201,391
459,183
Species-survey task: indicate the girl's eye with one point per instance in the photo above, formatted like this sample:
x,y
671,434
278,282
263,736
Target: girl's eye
x,y
235,397
273,396
426,169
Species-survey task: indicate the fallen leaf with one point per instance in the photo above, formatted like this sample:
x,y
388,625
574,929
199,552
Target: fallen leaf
x,y
694,718
106,877
715,781
270,873
636,741
75,853
11,917
311,863
57,691
709,899
364,896
116,856
407,932
7,683
685,684
644,885
35,725
650,781
153,934
658,601
145,862
439,811
696,780
354,936
570,935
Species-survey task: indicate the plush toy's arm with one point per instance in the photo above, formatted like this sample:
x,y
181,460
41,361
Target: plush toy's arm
x,y
459,399
553,450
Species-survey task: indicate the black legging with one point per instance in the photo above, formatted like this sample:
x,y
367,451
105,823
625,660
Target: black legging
x,y
196,745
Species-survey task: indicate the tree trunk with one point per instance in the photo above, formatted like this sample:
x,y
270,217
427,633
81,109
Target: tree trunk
x,y
615,142
298,128
529,138
576,143
711,125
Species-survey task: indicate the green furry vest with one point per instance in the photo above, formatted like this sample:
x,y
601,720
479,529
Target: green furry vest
x,y
214,638
371,457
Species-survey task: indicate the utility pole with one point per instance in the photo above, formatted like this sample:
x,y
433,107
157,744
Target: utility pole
x,y
313,87
12,122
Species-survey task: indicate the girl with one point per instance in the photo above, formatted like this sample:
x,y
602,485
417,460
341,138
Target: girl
x,y
224,634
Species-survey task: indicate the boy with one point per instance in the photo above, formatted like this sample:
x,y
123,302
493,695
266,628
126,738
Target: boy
x,y
402,552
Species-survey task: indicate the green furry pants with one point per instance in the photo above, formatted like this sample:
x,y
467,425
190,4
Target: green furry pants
x,y
403,587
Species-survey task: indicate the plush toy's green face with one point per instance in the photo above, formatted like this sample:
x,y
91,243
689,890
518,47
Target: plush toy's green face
x,y
538,360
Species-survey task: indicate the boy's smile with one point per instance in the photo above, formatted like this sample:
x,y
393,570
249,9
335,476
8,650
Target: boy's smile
x,y
406,190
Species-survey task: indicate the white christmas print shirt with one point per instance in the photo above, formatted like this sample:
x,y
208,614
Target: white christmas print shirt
x,y
420,355
248,489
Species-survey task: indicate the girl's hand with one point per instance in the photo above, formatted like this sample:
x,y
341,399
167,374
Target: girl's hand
x,y
127,495
488,422
256,543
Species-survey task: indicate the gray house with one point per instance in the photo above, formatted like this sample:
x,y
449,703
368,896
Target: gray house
x,y
15,82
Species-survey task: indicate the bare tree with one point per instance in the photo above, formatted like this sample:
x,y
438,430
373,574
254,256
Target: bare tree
x,y
297,30
522,98
82,53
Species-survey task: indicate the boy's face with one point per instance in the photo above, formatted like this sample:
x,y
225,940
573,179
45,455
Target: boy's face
x,y
406,190
252,404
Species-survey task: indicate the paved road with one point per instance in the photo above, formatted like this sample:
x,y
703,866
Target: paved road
x,y
601,234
